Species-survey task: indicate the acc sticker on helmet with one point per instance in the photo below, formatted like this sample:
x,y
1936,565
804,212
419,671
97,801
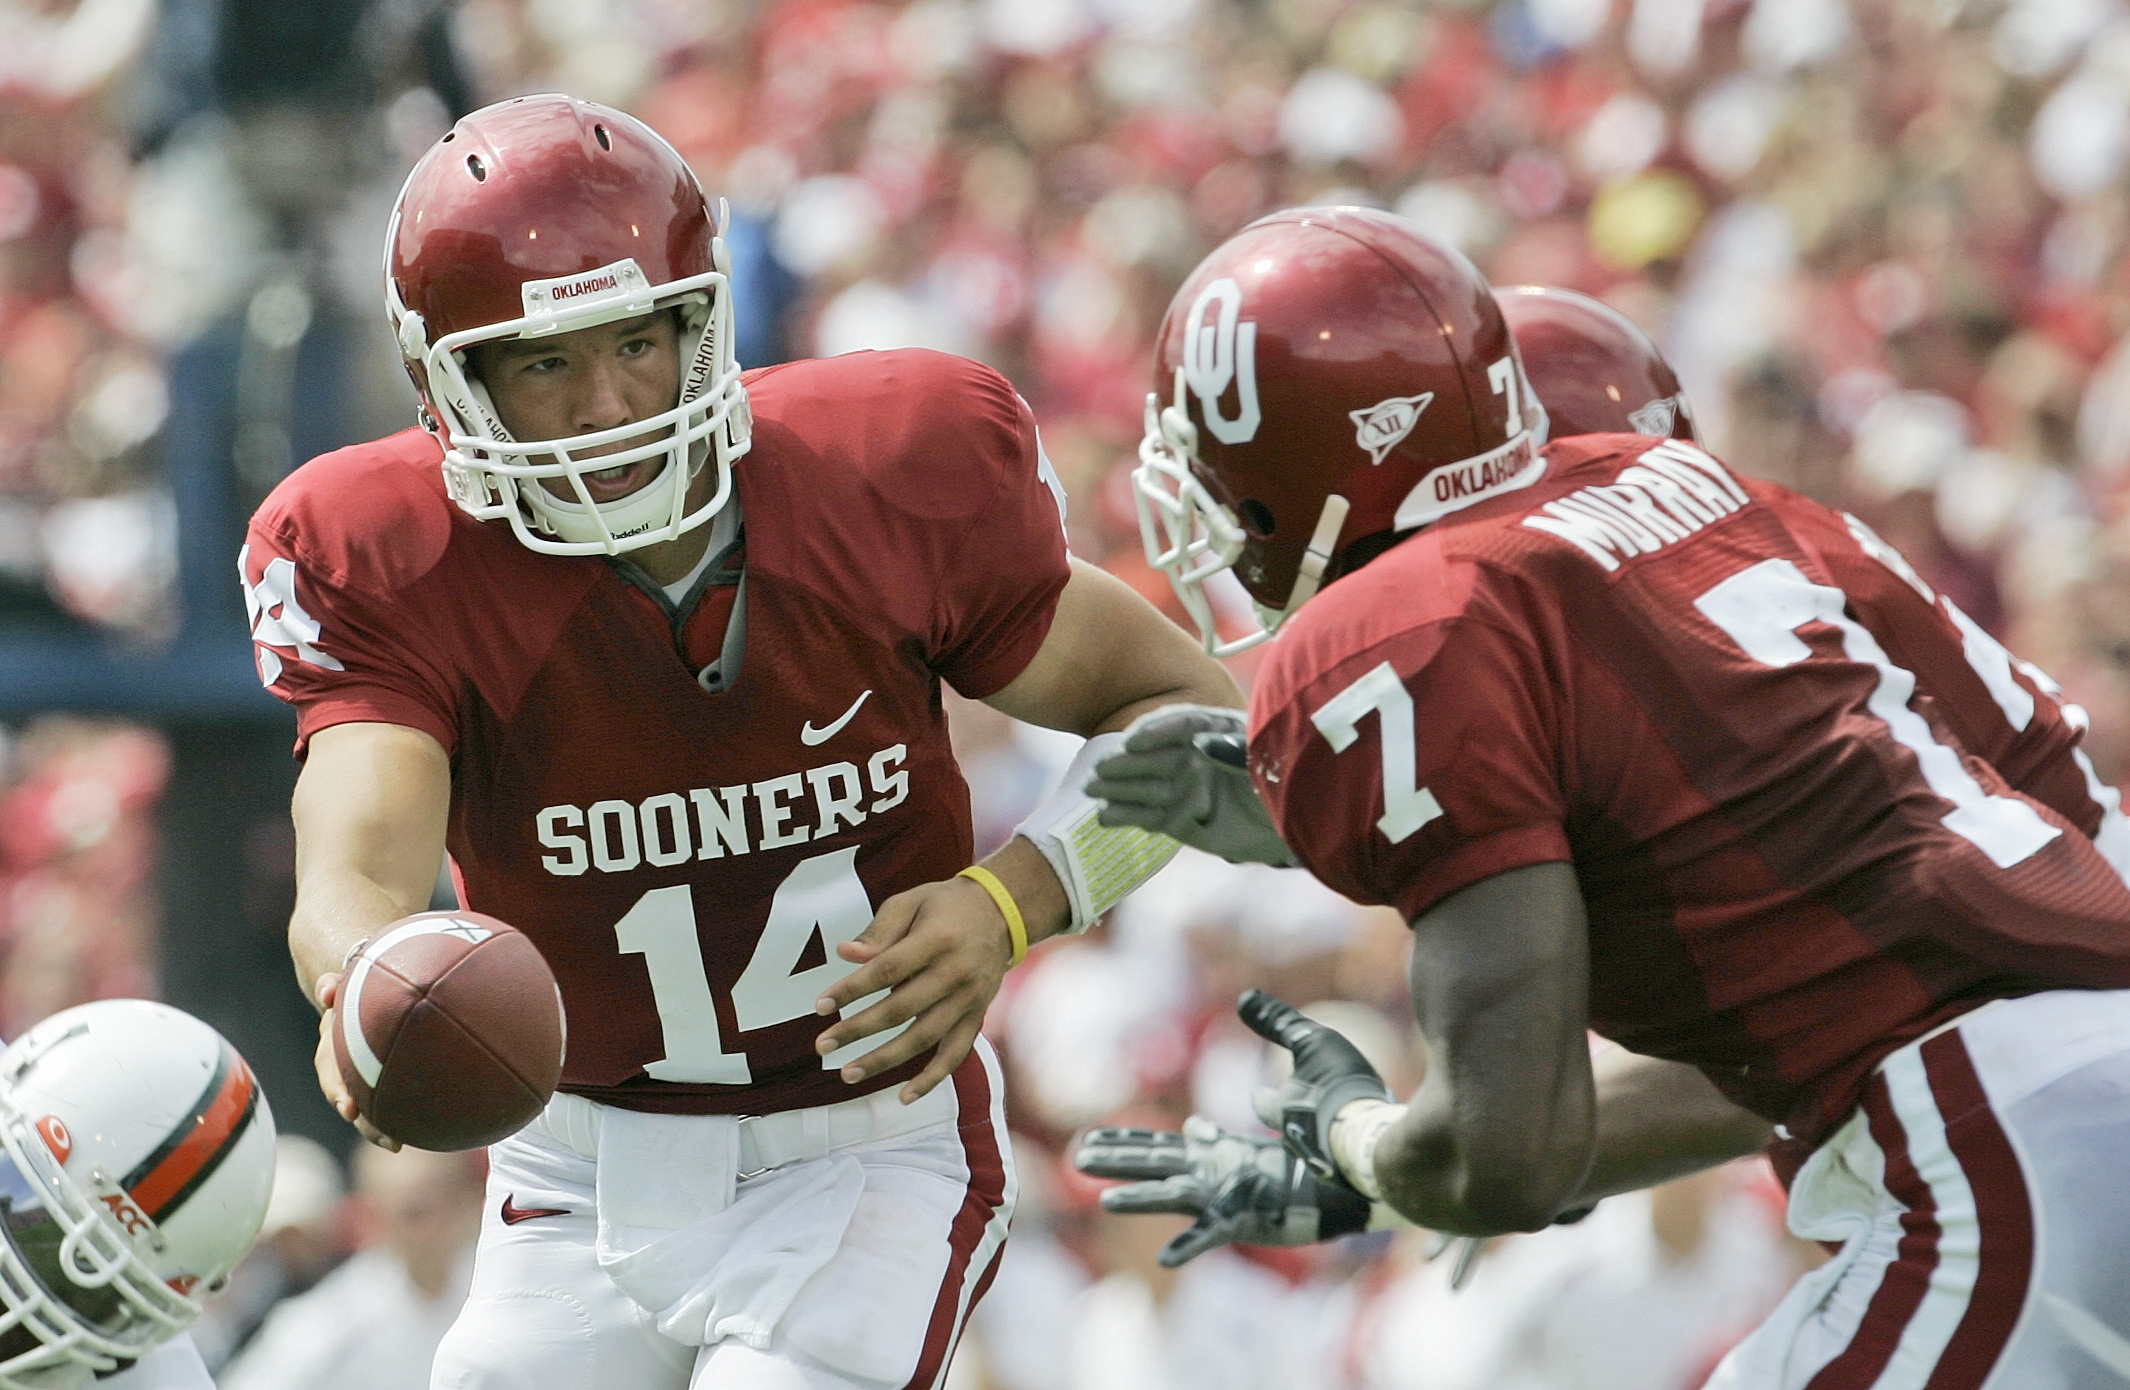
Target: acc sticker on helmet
x,y
1378,429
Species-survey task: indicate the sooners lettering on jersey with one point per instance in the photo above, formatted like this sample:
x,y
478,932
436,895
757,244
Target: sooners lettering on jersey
x,y
1648,667
688,862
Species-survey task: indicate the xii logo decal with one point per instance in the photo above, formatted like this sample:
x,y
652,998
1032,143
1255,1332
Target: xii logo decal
x,y
1379,429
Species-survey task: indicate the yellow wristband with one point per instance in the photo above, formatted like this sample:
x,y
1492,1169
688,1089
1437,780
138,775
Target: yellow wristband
x,y
1008,908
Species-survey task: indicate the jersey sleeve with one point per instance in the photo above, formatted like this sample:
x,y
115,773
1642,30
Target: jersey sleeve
x,y
1004,566
338,652
1419,767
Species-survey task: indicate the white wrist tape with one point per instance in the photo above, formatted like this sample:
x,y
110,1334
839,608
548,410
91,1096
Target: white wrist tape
x,y
1355,1131
1096,865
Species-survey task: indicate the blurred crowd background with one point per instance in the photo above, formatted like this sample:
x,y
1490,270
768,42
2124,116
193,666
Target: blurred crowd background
x,y
1886,243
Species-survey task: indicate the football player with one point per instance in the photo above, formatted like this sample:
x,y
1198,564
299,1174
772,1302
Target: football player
x,y
1594,371
1602,721
655,650
136,1158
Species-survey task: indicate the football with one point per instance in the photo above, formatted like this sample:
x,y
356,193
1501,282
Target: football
x,y
448,1030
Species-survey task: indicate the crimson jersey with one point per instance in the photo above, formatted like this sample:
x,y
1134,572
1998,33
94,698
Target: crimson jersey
x,y
2003,710
1642,666
688,861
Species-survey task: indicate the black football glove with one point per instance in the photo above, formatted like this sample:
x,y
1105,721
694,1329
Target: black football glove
x,y
1242,1188
1184,772
1329,1073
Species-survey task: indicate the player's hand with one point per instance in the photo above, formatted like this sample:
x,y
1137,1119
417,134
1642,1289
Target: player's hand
x,y
328,1065
1329,1073
1240,1187
940,951
1183,773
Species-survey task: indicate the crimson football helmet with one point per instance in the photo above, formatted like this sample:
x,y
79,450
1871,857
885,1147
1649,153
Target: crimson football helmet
x,y
1594,367
541,215
136,1157
1338,377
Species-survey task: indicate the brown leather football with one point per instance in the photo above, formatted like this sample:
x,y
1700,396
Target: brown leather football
x,y
448,1030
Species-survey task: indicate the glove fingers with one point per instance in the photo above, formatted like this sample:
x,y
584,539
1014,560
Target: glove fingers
x,y
1173,724
1205,1233
1152,793
1167,763
1131,1154
1177,1196
1116,813
1274,1020
1131,1165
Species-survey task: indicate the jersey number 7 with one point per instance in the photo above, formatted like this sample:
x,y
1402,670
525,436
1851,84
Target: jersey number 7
x,y
1406,806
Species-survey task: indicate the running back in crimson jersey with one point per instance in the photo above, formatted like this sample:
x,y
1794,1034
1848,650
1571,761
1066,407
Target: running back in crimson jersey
x,y
1645,667
688,861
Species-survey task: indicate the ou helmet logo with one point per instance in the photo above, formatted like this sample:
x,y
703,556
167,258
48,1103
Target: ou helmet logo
x,y
1219,353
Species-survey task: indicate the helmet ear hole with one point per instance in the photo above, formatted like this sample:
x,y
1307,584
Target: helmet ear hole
x,y
476,168
599,134
1257,517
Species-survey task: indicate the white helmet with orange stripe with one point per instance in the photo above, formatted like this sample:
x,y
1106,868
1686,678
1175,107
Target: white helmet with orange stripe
x,y
136,1156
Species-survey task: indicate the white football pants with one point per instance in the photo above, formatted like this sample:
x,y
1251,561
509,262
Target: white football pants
x,y
835,1248
1981,1196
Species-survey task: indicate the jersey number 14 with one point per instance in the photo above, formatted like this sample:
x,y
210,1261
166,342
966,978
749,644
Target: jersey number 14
x,y
822,894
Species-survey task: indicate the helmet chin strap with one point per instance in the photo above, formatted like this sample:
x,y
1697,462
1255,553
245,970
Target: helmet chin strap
x,y
1315,561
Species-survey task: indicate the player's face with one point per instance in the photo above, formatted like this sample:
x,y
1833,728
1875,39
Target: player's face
x,y
591,379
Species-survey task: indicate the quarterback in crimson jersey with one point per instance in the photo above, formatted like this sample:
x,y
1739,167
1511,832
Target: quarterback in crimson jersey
x,y
655,650
1601,720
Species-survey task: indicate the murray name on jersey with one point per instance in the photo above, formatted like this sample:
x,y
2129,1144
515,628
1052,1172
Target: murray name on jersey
x,y
1666,495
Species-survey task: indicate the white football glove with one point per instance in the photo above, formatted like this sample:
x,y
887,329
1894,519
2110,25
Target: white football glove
x,y
1183,773
1242,1188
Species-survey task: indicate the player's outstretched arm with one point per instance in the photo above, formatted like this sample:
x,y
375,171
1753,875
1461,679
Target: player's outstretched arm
x,y
1501,1134
942,949
370,810
1515,1126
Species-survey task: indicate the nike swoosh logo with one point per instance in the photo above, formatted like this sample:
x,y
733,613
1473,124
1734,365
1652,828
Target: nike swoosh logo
x,y
810,736
512,1213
